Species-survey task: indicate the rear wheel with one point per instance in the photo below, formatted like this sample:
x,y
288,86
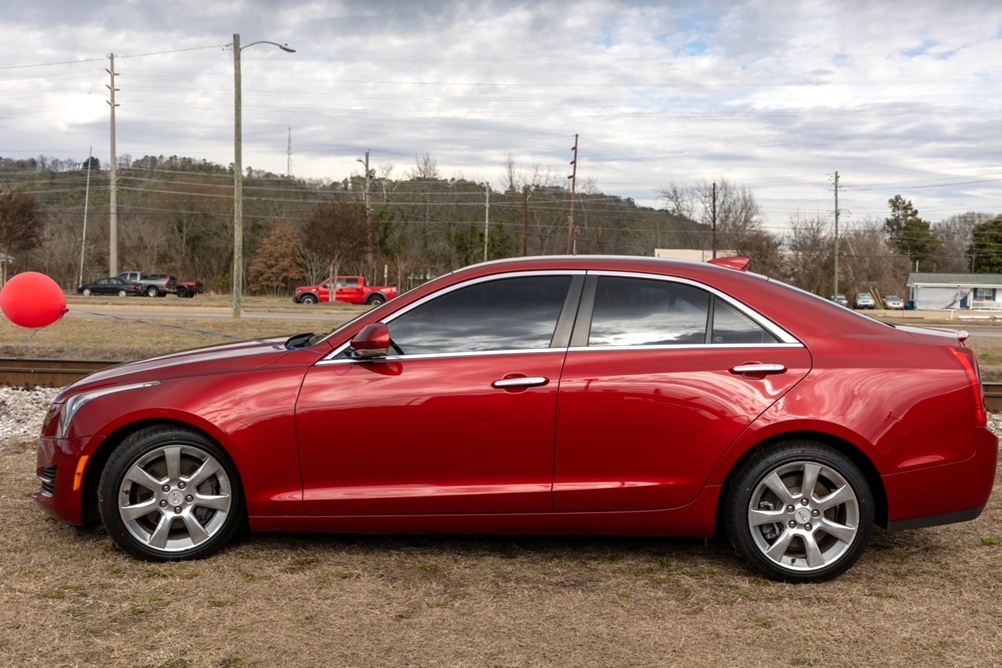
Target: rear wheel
x,y
152,291
182,291
87,292
123,293
800,511
170,493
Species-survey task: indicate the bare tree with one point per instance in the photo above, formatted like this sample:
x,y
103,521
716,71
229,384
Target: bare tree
x,y
20,227
954,235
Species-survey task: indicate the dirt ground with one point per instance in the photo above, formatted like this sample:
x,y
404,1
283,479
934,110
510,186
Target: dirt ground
x,y
930,597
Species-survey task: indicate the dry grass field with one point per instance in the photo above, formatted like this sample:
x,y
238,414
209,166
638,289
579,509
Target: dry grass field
x,y
68,597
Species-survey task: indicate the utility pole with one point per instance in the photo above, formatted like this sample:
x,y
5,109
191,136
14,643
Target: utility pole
x,y
288,155
713,220
83,235
113,181
487,217
525,220
368,220
573,178
835,290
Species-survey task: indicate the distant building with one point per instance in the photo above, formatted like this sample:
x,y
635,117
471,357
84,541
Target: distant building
x,y
689,254
955,291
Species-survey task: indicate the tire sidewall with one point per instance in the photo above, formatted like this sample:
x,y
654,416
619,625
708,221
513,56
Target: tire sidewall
x,y
134,448
747,478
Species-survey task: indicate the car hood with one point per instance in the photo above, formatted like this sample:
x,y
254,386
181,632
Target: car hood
x,y
230,357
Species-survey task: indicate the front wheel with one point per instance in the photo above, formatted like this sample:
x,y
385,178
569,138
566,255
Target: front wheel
x,y
376,300
307,299
169,493
799,511
182,291
87,292
152,291
123,293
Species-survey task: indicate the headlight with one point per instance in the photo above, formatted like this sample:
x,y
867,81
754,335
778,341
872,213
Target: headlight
x,y
77,401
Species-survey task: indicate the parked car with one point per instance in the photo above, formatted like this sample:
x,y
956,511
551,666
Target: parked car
x,y
110,285
840,299
570,395
863,300
894,302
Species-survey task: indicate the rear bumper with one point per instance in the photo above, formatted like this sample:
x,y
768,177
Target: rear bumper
x,y
915,498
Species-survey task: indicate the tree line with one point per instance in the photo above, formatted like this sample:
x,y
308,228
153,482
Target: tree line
x,y
175,214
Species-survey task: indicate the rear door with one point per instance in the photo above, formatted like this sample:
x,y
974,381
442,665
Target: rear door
x,y
661,376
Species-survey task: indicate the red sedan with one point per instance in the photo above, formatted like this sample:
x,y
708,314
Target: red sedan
x,y
586,395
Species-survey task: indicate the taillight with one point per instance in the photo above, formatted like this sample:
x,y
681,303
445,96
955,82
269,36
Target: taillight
x,y
970,365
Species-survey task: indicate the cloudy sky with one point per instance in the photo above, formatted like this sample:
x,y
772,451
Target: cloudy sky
x,y
899,98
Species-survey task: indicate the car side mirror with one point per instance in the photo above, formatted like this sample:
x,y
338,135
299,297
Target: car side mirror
x,y
372,341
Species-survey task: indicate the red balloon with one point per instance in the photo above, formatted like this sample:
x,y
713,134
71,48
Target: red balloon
x,y
33,300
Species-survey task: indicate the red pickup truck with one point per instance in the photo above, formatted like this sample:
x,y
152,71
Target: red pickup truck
x,y
350,289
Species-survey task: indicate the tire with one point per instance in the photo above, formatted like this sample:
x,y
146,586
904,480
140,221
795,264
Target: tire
x,y
170,493
791,536
87,292
182,291
123,293
307,299
376,300
152,291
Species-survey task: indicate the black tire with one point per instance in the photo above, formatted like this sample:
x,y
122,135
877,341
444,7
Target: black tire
x,y
86,292
788,535
152,291
182,291
308,299
154,508
376,300
123,293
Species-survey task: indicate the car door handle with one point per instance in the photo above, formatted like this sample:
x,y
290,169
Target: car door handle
x,y
758,368
520,381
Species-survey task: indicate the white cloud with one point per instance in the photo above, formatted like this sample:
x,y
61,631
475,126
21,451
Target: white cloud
x,y
775,96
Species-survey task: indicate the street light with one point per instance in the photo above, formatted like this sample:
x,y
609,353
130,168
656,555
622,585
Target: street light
x,y
238,175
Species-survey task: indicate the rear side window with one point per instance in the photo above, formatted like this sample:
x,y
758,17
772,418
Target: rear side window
x,y
518,313
642,312
632,311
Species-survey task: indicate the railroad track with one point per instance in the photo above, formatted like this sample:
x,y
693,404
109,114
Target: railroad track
x,y
23,372
26,372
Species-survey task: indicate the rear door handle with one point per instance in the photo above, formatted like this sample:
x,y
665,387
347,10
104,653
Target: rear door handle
x,y
521,381
758,368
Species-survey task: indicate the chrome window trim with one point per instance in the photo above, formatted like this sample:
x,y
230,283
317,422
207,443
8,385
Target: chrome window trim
x,y
754,316
786,340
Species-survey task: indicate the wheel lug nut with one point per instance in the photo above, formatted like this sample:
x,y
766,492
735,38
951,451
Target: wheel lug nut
x,y
163,504
807,527
189,498
789,508
815,513
793,525
166,488
803,502
177,510
180,485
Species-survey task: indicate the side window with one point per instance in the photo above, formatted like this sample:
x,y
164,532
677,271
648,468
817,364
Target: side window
x,y
638,312
506,314
732,326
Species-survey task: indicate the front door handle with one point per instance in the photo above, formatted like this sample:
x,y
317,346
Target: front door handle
x,y
519,381
756,368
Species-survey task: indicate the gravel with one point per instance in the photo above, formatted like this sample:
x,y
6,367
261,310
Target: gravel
x,y
22,412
